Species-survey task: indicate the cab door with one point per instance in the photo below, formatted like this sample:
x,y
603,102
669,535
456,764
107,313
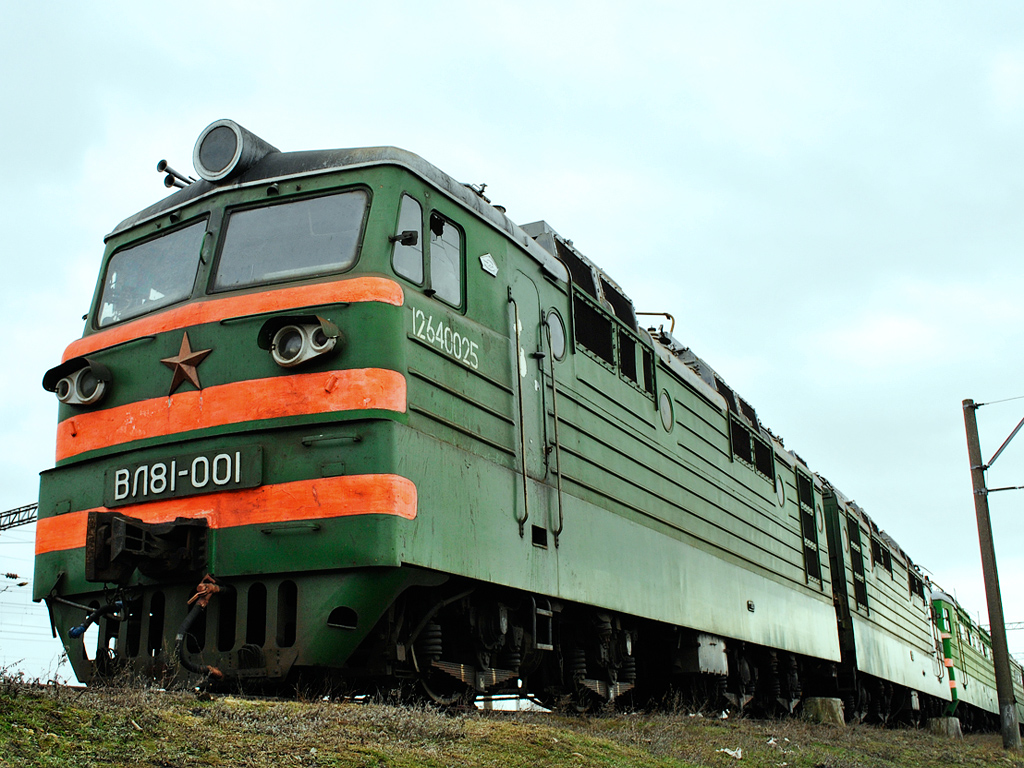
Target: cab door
x,y
528,349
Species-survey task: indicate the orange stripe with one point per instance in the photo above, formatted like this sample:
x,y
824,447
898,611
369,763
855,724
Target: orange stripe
x,y
213,310
293,395
300,500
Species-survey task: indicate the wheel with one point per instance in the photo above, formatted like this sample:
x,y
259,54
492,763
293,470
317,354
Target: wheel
x,y
444,691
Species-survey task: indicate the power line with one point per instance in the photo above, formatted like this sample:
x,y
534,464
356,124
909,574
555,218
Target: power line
x,y
1005,400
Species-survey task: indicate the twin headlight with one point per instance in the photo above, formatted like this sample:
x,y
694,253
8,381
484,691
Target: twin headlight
x,y
79,381
294,344
295,340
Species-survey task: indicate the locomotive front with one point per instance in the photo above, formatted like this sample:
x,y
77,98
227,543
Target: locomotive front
x,y
226,493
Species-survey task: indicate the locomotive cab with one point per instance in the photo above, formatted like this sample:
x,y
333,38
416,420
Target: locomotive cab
x,y
229,412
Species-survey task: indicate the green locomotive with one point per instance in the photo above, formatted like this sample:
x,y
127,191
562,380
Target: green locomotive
x,y
334,415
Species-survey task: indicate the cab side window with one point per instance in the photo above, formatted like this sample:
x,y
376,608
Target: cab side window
x,y
408,259
436,266
445,260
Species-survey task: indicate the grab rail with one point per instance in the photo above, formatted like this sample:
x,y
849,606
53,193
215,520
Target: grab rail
x,y
522,428
558,446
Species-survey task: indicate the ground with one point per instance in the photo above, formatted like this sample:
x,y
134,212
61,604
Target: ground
x,y
55,725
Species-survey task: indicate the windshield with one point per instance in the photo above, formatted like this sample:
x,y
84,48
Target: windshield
x,y
291,240
151,275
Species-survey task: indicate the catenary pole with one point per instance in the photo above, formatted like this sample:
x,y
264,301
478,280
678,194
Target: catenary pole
x,y
1000,650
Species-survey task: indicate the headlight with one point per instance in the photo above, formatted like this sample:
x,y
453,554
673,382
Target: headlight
x,y
299,342
225,149
78,381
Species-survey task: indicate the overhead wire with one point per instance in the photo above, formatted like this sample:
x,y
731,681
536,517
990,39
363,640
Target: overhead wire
x,y
25,637
996,402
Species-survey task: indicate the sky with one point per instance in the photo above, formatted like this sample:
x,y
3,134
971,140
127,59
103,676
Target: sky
x,y
825,196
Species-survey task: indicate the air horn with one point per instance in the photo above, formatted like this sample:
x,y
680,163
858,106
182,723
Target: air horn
x,y
173,178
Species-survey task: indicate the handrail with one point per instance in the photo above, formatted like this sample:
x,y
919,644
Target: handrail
x,y
963,656
518,376
558,446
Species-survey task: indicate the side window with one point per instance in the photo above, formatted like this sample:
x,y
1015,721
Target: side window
x,y
582,277
805,496
621,306
445,260
627,357
556,334
916,584
441,259
593,328
751,448
860,587
617,347
408,259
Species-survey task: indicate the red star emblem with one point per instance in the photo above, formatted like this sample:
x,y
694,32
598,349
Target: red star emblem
x,y
184,365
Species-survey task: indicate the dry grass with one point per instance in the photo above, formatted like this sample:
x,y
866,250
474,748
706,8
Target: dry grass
x,y
54,725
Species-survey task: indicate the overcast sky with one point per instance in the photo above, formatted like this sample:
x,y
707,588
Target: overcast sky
x,y
825,196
